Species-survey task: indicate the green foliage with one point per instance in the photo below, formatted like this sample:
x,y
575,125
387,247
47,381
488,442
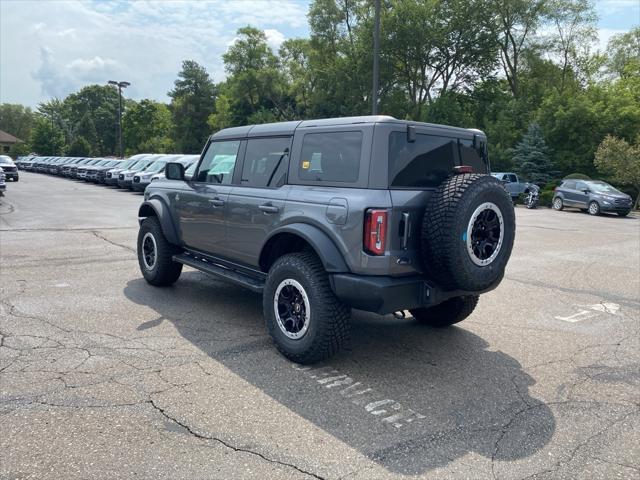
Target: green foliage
x,y
192,102
16,120
532,157
47,138
546,198
80,147
620,161
623,49
577,176
146,127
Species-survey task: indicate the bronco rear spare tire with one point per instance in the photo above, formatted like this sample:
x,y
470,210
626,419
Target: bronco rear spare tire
x,y
467,233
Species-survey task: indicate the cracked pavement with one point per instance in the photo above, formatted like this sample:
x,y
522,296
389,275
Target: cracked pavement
x,y
102,375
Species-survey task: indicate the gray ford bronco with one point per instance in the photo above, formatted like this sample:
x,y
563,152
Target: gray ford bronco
x,y
322,216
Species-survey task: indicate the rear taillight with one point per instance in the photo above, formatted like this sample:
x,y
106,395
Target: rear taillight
x,y
463,169
375,231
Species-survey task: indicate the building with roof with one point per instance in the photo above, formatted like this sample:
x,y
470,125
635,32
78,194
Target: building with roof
x,y
7,141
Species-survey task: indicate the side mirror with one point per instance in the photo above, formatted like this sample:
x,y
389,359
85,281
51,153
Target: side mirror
x,y
586,190
174,171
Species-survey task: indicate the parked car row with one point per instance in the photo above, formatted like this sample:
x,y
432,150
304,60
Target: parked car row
x,y
133,173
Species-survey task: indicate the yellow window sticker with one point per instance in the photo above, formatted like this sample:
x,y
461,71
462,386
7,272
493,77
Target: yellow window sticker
x,y
306,164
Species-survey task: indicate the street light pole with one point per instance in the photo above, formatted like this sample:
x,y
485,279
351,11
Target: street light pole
x,y
376,59
120,86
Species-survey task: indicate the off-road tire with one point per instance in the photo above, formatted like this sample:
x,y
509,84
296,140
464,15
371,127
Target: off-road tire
x,y
557,204
448,312
165,271
328,328
594,208
444,232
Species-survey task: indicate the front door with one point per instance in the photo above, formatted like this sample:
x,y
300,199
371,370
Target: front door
x,y
256,205
201,207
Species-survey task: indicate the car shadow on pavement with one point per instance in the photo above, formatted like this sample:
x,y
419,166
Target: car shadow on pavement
x,y
465,398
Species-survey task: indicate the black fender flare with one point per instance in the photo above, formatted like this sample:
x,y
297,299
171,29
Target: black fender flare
x,y
325,248
159,208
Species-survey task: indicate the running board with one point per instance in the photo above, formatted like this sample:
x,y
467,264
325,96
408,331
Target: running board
x,y
253,284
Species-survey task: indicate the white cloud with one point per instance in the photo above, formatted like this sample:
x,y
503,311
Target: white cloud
x,y
274,38
68,44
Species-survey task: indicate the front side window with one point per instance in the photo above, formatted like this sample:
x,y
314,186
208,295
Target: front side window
x,y
218,163
512,178
331,157
426,162
265,162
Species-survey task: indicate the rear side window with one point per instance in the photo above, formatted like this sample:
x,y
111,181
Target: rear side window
x,y
571,185
427,162
471,157
265,162
331,157
218,163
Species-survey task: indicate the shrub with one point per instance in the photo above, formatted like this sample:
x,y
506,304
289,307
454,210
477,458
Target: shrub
x,y
577,176
546,197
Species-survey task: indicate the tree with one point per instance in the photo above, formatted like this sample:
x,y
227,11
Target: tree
x,y
513,23
256,86
99,104
532,157
80,148
47,139
192,102
574,23
16,120
621,161
622,50
147,128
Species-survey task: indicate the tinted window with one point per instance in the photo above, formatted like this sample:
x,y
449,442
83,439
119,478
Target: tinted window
x,y
423,163
471,157
512,178
571,185
331,157
218,163
265,162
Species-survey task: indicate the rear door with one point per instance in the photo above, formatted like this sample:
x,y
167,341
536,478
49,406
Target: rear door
x,y
201,206
257,204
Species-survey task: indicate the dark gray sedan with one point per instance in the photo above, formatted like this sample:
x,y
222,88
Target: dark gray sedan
x,y
593,196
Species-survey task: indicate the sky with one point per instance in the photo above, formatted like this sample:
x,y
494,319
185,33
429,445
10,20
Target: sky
x,y
50,48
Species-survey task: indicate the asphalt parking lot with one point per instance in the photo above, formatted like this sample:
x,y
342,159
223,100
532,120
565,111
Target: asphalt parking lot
x,y
104,376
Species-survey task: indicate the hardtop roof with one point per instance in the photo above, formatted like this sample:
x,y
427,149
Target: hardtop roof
x,y
288,128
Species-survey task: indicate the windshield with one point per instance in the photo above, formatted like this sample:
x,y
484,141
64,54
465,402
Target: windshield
x,y
191,169
602,187
156,166
4,160
141,165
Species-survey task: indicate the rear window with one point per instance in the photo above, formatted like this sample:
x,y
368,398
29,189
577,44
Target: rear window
x,y
429,160
331,157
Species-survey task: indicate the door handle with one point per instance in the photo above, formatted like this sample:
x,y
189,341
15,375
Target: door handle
x,y
269,208
216,202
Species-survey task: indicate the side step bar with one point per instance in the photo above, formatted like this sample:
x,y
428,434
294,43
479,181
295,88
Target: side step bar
x,y
253,284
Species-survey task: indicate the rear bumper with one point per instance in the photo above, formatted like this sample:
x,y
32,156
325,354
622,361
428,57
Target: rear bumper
x,y
384,295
